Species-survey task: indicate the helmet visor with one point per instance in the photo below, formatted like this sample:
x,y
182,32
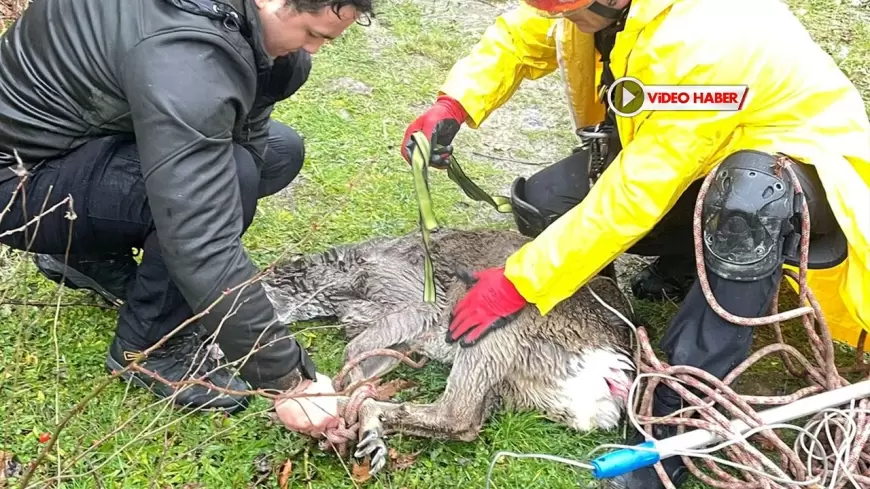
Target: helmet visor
x,y
558,8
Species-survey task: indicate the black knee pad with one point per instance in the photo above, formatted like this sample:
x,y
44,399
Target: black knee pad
x,y
747,215
528,218
548,194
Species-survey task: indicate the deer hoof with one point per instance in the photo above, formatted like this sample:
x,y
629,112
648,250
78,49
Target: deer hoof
x,y
372,444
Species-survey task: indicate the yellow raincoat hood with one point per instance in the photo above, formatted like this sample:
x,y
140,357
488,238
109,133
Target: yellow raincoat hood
x,y
799,104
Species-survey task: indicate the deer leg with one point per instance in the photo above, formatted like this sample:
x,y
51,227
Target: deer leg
x,y
460,411
387,329
357,315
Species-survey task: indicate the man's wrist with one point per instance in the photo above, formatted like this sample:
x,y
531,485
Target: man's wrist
x,y
304,370
285,383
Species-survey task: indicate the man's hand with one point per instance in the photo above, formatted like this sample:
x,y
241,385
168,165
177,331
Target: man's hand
x,y
439,124
484,308
309,415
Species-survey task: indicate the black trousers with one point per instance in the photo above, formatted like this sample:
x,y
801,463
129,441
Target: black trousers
x,y
696,336
113,216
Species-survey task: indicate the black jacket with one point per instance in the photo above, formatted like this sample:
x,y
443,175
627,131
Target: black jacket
x,y
188,85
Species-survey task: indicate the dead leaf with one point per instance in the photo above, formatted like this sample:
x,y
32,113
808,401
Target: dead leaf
x,y
403,460
388,390
263,470
360,473
262,464
10,466
284,475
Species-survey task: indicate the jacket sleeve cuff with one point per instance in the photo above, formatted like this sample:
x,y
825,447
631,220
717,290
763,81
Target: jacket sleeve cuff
x,y
521,274
302,368
474,106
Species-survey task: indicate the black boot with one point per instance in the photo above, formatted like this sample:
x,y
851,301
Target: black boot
x,y
173,362
107,275
668,277
647,477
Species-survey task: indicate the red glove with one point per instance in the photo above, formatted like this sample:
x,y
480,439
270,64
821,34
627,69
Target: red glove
x,y
440,124
484,308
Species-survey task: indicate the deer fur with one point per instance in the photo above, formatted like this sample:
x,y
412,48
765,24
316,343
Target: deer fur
x,y
574,365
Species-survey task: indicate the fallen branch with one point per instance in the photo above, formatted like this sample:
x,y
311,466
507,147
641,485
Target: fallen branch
x,y
511,160
63,304
37,218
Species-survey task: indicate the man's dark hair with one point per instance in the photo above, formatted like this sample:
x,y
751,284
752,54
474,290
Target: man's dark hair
x,y
364,7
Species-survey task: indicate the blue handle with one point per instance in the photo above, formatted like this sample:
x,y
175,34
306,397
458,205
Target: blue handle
x,y
624,461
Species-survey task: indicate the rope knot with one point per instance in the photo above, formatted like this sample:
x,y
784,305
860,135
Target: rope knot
x,y
347,431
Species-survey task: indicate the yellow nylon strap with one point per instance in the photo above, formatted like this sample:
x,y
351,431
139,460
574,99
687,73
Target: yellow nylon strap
x,y
420,158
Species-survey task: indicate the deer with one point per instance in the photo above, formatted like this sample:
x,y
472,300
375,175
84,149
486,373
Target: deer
x,y
574,365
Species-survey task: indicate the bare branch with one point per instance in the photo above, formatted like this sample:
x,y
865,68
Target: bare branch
x,y
63,304
35,219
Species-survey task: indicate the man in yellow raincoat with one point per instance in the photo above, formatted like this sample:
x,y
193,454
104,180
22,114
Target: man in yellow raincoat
x,y
800,104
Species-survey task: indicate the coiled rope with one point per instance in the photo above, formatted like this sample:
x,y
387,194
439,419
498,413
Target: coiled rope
x,y
823,375
831,451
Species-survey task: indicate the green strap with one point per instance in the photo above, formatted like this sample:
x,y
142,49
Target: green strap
x,y
499,203
428,222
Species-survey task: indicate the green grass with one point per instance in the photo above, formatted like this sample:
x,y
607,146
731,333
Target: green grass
x,y
354,187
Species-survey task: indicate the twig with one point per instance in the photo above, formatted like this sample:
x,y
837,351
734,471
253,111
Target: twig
x,y
166,402
207,385
306,468
105,438
115,374
492,5
509,160
161,462
66,419
60,288
65,304
261,480
12,199
35,219
222,431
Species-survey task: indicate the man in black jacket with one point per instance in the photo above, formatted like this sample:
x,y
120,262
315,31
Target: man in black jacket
x,y
153,116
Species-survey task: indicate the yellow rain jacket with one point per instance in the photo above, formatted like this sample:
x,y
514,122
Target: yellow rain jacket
x,y
799,104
